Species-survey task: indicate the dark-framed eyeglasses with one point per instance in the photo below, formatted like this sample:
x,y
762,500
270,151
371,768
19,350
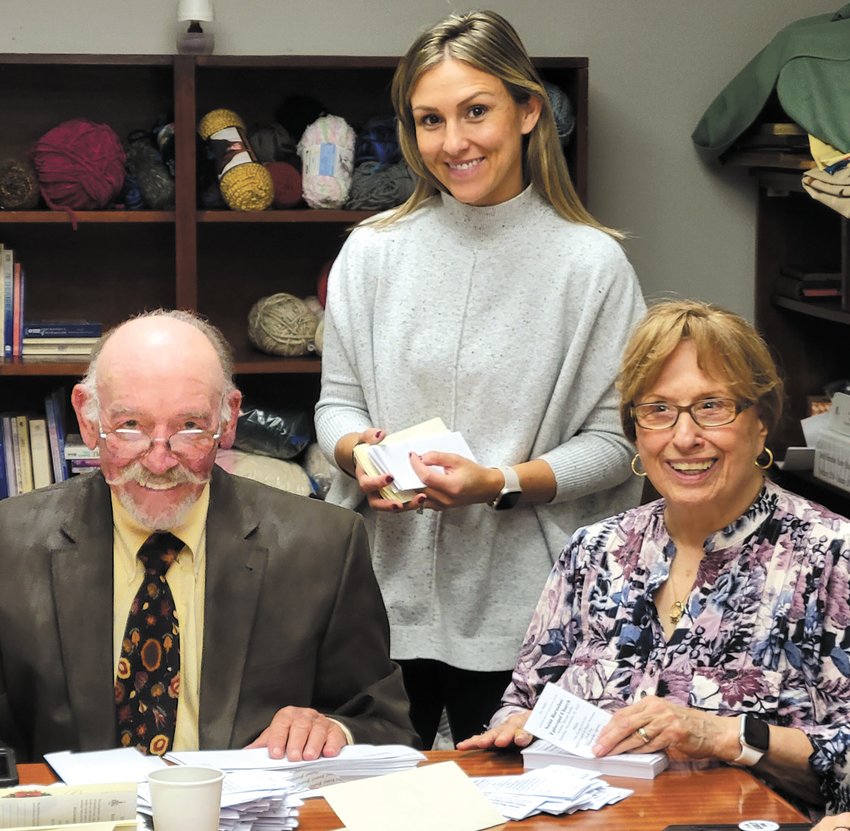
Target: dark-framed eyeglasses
x,y
707,412
129,443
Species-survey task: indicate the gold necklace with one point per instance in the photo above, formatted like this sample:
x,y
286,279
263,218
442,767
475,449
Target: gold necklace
x,y
677,607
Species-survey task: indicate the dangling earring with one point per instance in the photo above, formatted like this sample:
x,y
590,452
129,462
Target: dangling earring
x,y
635,460
766,464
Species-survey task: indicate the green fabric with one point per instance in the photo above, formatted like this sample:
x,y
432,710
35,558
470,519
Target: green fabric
x,y
808,63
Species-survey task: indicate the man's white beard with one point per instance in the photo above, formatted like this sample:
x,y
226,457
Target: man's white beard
x,y
164,519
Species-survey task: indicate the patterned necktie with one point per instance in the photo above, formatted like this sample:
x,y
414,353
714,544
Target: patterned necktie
x,y
148,676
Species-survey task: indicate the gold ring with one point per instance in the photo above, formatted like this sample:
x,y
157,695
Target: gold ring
x,y
644,737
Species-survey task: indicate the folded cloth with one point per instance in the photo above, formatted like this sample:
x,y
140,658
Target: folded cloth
x,y
833,189
807,63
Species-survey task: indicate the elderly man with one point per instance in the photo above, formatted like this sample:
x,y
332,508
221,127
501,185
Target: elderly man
x,y
256,620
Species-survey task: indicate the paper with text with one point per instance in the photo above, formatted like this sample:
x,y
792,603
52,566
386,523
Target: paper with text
x,y
566,721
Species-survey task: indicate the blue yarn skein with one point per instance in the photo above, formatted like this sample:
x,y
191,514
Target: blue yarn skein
x,y
377,142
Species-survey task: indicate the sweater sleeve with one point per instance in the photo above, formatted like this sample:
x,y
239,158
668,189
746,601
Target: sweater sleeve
x,y
342,406
594,455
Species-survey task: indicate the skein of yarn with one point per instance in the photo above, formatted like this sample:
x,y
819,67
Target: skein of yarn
x,y
245,184
281,324
80,166
150,172
286,179
18,185
272,143
327,152
376,187
562,109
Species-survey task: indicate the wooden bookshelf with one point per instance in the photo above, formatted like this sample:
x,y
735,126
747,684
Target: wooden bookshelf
x,y
218,262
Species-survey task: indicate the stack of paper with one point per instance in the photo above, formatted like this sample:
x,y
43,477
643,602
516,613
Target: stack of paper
x,y
249,799
392,455
636,765
355,761
550,790
569,727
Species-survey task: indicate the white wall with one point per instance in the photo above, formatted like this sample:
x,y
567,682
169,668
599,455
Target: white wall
x,y
655,65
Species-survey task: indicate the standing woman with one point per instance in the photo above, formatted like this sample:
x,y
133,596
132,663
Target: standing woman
x,y
492,299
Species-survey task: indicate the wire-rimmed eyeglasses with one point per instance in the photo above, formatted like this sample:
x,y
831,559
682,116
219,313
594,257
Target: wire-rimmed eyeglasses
x,y
707,412
128,443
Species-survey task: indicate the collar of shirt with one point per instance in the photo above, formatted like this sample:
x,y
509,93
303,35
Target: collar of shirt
x,y
129,535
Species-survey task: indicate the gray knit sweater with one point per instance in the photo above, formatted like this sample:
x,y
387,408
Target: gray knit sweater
x,y
509,323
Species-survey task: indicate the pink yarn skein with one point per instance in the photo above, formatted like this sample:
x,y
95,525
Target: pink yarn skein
x,y
80,165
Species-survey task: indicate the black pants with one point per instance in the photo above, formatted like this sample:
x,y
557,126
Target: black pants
x,y
469,697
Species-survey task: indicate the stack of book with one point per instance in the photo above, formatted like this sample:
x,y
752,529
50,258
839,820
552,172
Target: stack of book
x,y
79,456
49,340
32,448
808,285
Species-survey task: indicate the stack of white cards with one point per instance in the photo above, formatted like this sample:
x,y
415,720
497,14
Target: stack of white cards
x,y
249,799
556,789
355,761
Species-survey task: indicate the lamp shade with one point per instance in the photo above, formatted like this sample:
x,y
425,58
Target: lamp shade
x,y
195,10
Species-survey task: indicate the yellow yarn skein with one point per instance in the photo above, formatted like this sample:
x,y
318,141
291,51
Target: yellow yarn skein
x,y
245,184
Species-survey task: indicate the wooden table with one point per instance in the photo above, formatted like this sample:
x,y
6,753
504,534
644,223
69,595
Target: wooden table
x,y
680,795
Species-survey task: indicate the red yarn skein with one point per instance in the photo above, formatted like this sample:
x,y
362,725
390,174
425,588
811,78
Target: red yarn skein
x,y
80,165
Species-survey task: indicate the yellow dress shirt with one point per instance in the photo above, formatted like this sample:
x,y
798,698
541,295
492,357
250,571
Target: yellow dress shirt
x,y
186,578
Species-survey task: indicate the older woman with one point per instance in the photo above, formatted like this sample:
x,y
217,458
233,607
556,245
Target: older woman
x,y
714,621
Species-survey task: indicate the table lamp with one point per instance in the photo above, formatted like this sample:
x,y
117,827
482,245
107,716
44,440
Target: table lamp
x,y
195,27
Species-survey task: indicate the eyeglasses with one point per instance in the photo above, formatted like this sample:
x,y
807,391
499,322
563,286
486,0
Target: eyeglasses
x,y
127,443
708,412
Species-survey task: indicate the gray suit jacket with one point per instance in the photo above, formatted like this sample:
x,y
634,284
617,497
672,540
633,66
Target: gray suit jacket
x,y
292,616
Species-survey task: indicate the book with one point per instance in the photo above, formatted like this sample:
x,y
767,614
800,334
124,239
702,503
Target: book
x,y
42,466
9,457
541,753
8,277
788,286
2,303
60,341
391,455
16,450
4,487
49,349
17,310
25,460
54,414
62,329
75,448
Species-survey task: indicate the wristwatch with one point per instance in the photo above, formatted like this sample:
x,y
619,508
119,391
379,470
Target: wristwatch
x,y
754,736
509,495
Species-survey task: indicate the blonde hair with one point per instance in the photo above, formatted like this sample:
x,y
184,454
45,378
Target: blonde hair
x,y
728,349
486,41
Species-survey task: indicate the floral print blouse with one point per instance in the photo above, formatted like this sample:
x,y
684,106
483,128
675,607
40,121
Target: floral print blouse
x,y
765,630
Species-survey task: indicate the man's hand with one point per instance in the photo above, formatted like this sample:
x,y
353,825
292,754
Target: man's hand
x,y
301,733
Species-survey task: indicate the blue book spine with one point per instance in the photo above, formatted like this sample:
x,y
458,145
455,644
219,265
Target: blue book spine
x,y
81,329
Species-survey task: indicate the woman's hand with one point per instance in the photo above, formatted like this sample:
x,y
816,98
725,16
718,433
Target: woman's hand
x,y
510,731
840,822
452,481
654,724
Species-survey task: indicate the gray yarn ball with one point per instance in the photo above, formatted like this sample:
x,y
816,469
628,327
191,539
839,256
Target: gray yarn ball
x,y
562,109
281,324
